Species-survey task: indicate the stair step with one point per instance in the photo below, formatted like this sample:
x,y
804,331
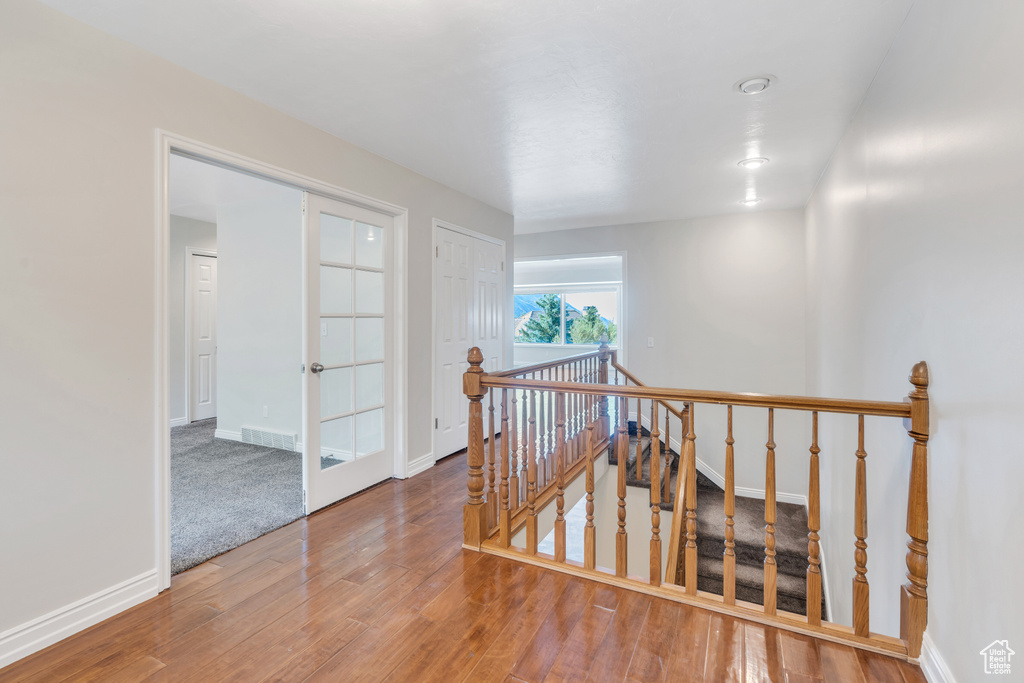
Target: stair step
x,y
748,528
791,591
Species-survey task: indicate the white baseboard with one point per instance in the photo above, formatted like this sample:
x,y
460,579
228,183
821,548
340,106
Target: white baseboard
x,y
46,630
780,497
933,666
225,434
420,464
179,422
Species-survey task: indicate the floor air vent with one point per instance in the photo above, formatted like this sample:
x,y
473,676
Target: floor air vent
x,y
271,439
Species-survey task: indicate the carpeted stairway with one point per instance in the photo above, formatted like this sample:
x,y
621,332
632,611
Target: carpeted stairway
x,y
790,534
226,493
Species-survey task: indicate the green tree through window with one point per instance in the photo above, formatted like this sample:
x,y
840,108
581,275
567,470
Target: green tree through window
x,y
546,326
589,328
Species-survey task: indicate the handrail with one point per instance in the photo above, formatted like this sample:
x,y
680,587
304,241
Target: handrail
x,y
808,403
632,378
537,367
552,430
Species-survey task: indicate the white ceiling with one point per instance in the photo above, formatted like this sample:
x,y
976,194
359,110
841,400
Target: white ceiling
x,y
197,189
566,114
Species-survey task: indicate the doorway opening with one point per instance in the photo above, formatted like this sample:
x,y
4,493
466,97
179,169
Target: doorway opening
x,y
235,297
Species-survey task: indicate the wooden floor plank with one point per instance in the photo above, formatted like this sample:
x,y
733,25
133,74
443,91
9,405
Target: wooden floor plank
x,y
378,587
762,654
517,633
725,650
540,654
654,646
689,647
573,661
619,643
877,669
800,655
839,663
912,673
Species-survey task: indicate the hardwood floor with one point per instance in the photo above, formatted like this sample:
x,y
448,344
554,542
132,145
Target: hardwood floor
x,y
378,588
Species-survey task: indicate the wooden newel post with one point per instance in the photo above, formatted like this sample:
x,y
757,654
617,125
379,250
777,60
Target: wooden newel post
x,y
914,595
474,513
602,378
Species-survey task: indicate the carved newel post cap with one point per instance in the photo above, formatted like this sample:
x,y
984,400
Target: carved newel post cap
x,y
476,357
919,375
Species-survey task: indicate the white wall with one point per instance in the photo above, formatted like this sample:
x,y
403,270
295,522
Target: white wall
x,y
916,251
259,315
77,191
723,298
185,232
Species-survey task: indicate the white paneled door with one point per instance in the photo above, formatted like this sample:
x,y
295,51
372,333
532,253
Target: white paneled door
x,y
202,336
469,303
348,341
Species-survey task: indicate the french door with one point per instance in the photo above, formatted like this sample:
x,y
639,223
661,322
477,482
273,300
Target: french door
x,y
348,336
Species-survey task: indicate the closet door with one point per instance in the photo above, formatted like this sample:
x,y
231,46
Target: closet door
x,y
469,298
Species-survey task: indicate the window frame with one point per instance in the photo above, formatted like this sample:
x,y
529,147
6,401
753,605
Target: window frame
x,y
576,288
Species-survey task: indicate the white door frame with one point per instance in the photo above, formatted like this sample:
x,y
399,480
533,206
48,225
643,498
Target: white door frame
x,y
438,223
166,143
189,253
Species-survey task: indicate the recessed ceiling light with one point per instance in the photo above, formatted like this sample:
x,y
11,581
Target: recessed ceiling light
x,y
752,86
753,162
751,201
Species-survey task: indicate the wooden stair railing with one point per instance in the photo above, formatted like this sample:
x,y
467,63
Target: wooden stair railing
x,y
558,418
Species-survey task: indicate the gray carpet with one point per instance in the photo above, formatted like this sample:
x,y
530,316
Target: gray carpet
x,y
226,493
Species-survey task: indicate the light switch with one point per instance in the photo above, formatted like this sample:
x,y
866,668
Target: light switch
x,y
650,342
323,328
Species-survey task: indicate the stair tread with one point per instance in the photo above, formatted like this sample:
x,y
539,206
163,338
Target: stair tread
x,y
753,576
748,527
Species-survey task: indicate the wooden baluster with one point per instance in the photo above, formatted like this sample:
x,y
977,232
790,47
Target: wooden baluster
x,y
729,556
492,498
531,479
549,470
860,529
602,378
666,493
513,442
589,399
914,594
505,514
623,453
571,417
560,477
770,569
639,460
690,554
655,497
542,445
474,513
524,433
589,531
813,526
577,415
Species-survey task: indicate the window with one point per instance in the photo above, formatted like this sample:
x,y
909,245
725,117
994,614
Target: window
x,y
567,315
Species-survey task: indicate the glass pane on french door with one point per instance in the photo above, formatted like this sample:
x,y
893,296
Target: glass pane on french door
x,y
351,317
